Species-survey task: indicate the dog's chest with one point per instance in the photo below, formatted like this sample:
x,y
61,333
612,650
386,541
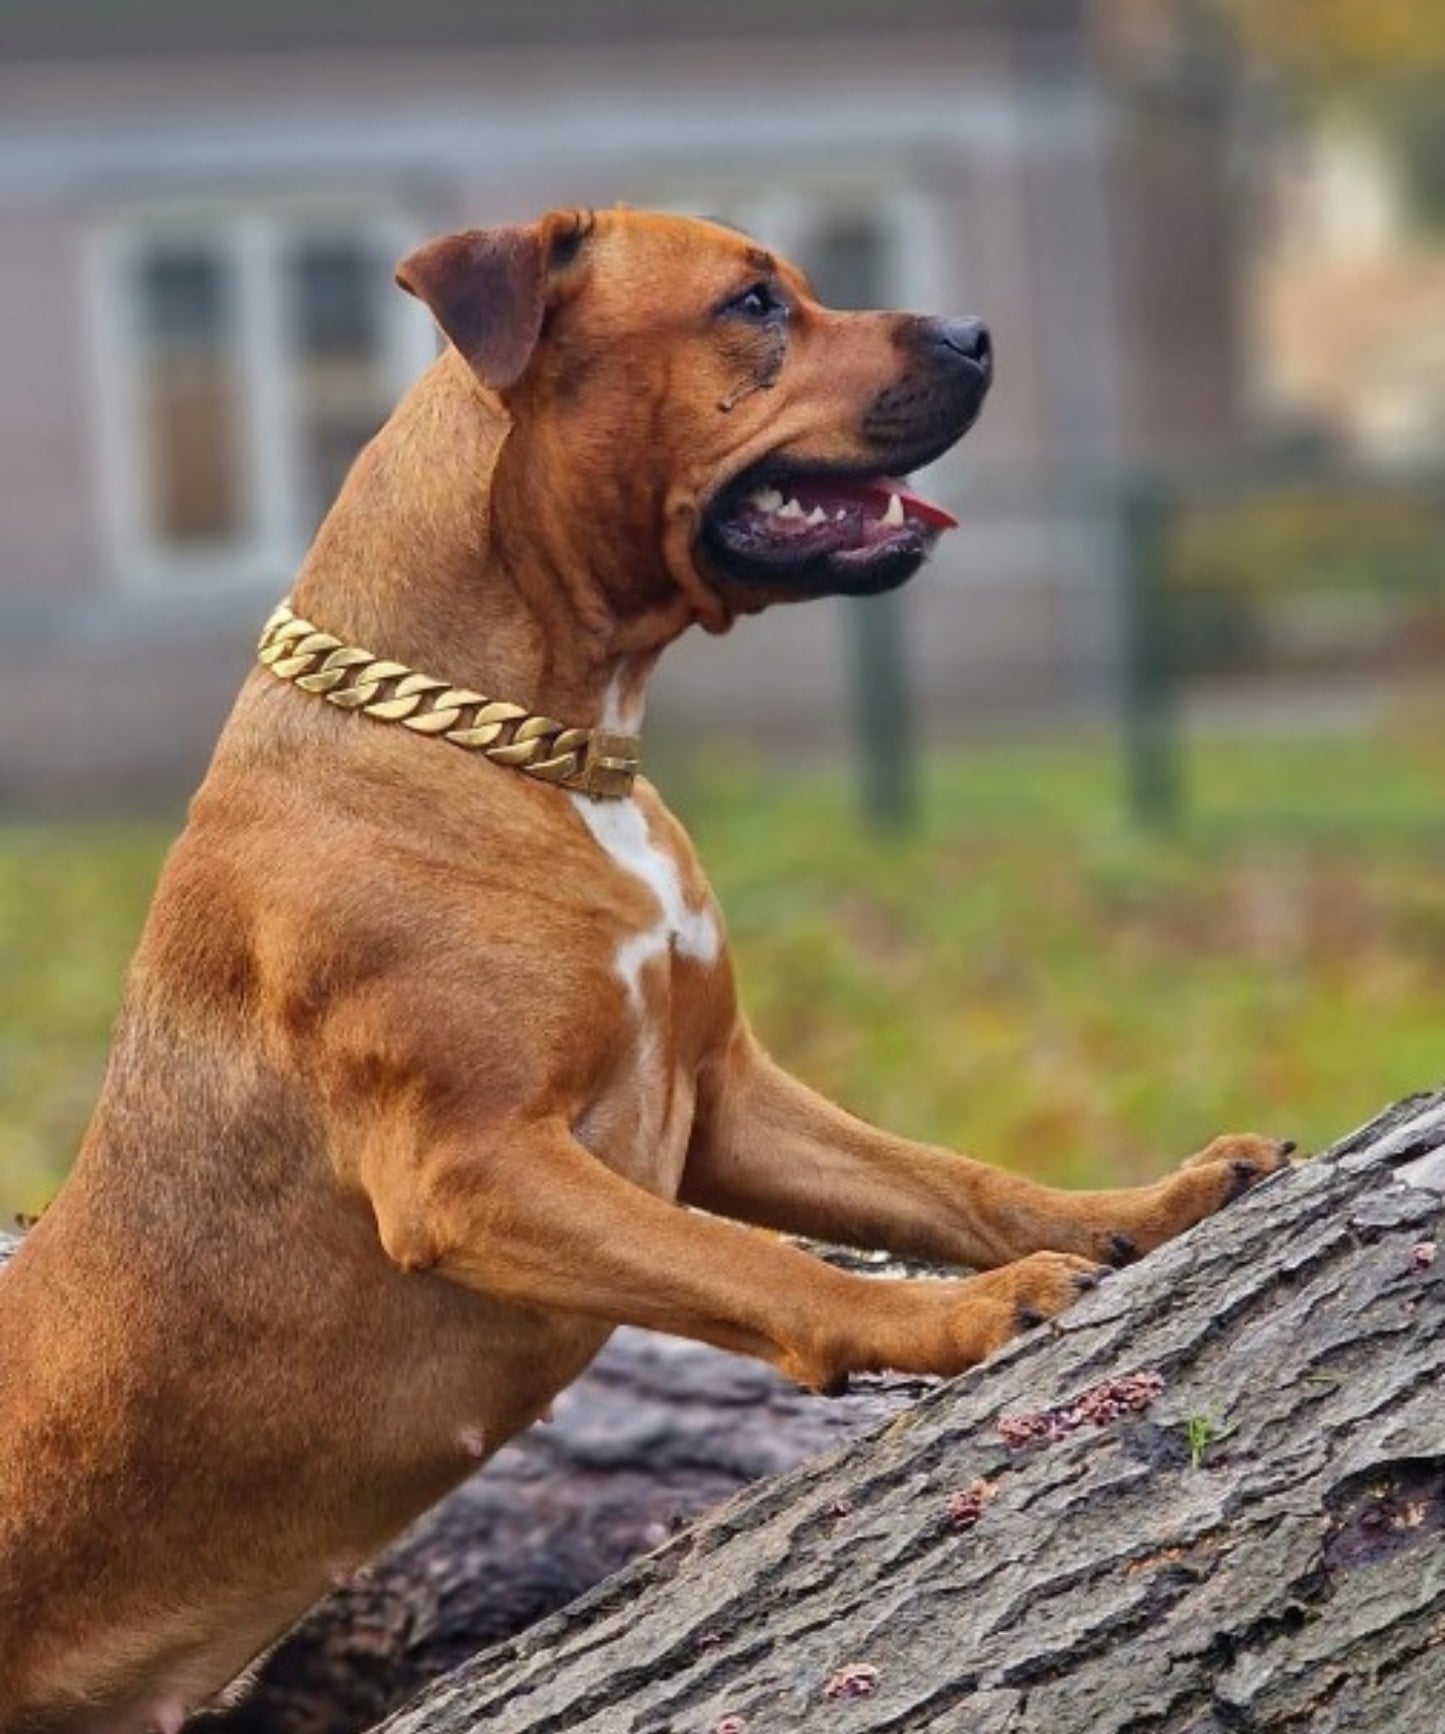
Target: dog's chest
x,y
641,1124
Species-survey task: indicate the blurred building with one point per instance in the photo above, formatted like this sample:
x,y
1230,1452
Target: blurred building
x,y
1350,301
199,210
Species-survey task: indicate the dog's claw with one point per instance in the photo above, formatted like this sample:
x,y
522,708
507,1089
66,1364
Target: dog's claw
x,y
1122,1250
1244,1175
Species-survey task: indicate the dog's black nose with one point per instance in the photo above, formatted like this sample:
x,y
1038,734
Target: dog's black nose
x,y
966,337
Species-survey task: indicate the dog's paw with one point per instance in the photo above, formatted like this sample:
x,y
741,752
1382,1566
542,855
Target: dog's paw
x,y
941,1328
1249,1155
1216,1176
989,1310
1134,1223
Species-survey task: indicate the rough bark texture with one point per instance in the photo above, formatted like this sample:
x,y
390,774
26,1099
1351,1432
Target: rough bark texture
x,y
1227,1514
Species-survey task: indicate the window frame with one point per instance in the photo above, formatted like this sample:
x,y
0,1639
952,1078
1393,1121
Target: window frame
x,y
251,236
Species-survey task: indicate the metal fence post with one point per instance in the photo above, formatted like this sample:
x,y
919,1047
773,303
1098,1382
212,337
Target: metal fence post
x,y
1149,718
883,712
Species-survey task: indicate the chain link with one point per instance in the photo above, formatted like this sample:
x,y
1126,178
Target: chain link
x,y
594,761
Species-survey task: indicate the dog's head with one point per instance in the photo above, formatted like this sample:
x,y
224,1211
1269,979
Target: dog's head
x,y
693,407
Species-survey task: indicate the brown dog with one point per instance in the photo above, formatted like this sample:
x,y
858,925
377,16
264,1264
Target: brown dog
x,y
421,1055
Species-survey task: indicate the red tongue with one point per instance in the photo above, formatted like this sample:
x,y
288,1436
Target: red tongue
x,y
918,507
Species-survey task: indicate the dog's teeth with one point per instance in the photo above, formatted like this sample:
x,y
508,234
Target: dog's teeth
x,y
840,514
765,499
792,510
817,516
893,517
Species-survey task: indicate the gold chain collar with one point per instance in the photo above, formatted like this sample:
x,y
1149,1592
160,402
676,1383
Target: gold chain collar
x,y
593,761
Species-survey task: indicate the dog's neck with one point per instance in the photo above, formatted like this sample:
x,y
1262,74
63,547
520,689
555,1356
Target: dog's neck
x,y
407,562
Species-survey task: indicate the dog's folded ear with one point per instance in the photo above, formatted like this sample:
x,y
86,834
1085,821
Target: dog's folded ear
x,y
488,289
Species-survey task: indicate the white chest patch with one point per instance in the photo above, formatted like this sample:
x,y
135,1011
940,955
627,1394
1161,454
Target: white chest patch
x,y
621,829
622,703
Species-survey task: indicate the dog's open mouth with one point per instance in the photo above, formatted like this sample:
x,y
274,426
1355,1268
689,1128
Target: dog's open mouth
x,y
823,531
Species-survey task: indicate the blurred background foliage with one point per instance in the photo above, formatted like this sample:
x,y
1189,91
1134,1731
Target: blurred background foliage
x,y
1329,48
1184,871
1382,58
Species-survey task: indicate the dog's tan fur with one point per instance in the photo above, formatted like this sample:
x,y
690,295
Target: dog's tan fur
x,y
389,1142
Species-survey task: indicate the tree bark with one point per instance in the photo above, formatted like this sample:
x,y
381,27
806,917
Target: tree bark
x,y
1210,1498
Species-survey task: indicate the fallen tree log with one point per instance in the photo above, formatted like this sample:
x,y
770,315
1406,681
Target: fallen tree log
x,y
1210,1498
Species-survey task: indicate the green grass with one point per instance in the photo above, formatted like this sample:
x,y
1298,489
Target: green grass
x,y
71,902
1025,977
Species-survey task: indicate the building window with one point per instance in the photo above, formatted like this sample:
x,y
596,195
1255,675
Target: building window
x,y
245,359
185,344
337,295
850,259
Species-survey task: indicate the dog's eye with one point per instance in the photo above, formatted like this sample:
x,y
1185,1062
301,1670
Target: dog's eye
x,y
760,303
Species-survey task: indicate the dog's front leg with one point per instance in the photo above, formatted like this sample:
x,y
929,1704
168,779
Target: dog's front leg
x,y
769,1150
528,1216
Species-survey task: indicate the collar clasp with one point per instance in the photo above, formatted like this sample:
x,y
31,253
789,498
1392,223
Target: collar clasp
x,y
611,764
